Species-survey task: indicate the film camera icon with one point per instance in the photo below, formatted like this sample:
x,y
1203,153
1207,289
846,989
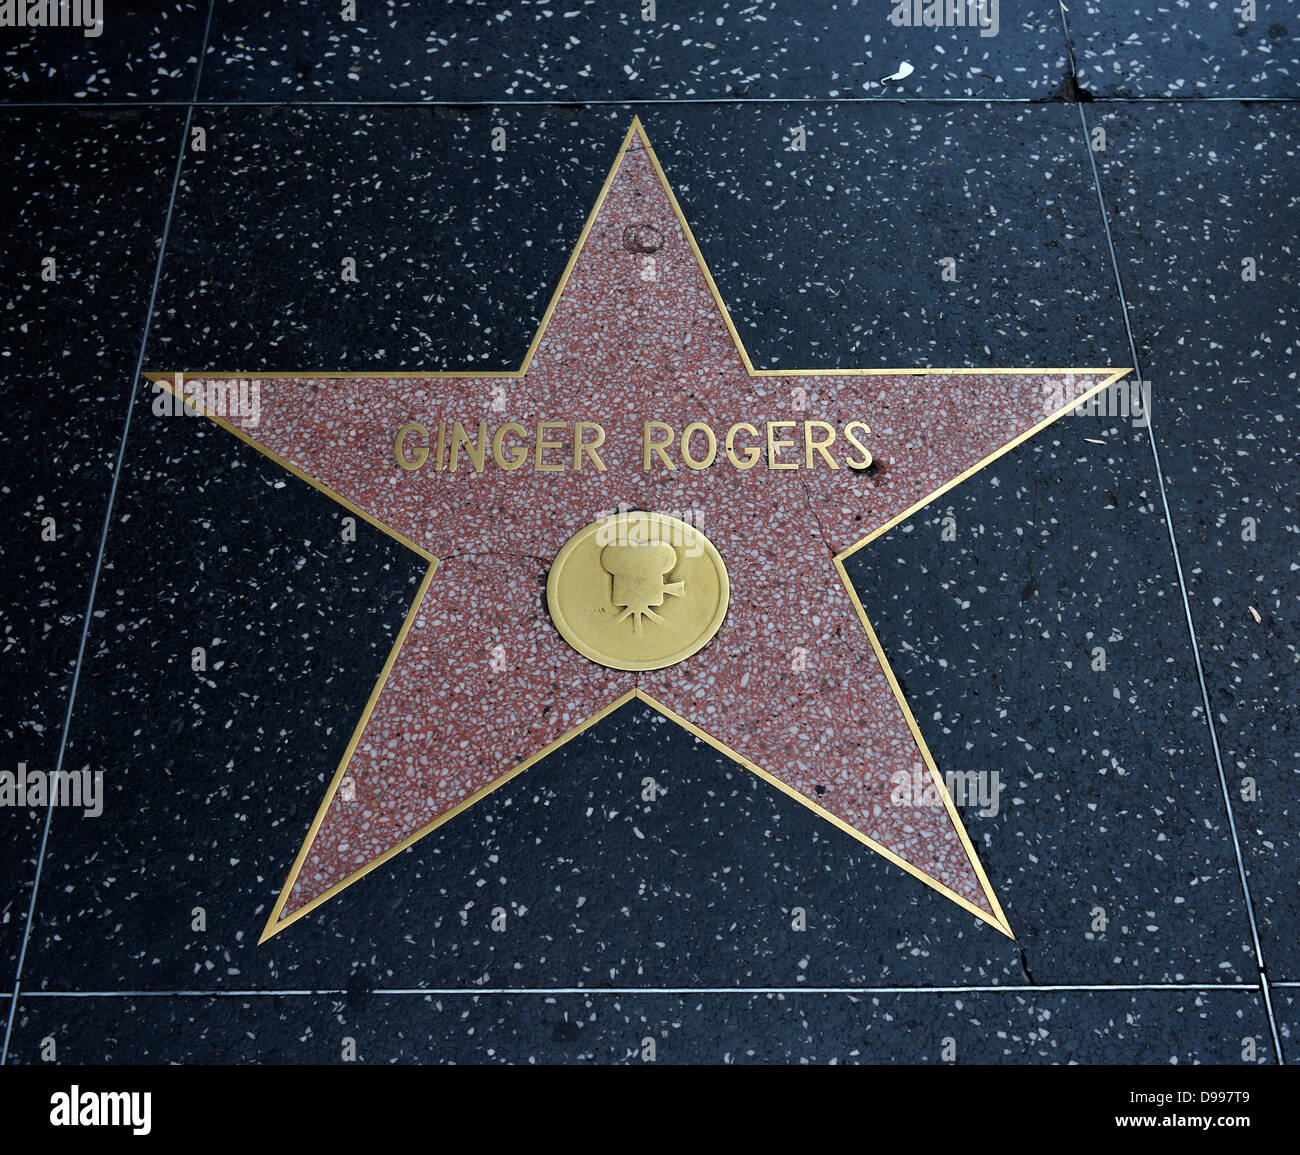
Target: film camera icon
x,y
627,566
638,571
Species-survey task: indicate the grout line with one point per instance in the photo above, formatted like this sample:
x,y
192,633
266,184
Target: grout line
x,y
1263,985
474,992
631,102
132,393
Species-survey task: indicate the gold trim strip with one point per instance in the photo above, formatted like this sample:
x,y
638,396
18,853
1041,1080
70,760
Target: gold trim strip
x,y
489,374
999,922
339,774
1001,919
274,927
1007,448
289,465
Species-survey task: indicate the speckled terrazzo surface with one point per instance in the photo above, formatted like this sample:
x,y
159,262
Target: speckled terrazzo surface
x,y
72,343
623,917
592,51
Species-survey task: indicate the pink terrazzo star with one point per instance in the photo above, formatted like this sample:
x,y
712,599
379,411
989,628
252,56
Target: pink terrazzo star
x,y
794,686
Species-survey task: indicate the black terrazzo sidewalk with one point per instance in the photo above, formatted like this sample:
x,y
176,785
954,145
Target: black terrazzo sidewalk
x,y
1097,219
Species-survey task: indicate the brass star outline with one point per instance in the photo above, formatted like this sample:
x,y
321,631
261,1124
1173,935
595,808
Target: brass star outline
x,y
275,923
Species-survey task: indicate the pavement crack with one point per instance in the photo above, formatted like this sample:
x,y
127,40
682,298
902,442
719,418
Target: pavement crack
x,y
1024,965
1070,91
812,509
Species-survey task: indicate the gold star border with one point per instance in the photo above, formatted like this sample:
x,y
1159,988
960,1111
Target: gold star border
x,y
275,924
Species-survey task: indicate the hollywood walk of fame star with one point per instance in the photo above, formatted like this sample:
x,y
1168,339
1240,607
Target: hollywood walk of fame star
x,y
480,684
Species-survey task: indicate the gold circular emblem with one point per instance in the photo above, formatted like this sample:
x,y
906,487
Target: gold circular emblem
x,y
638,591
